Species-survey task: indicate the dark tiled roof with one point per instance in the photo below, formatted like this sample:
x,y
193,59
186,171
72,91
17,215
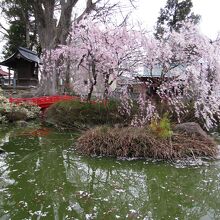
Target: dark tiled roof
x,y
28,54
23,53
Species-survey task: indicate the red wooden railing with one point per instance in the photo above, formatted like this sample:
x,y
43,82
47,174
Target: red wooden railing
x,y
44,101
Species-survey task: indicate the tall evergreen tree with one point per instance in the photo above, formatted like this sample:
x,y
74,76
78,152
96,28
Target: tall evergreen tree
x,y
21,29
15,38
173,14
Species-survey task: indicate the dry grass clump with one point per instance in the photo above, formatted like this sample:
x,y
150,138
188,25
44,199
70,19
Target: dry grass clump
x,y
142,142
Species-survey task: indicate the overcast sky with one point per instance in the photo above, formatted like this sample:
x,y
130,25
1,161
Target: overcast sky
x,y
148,12
208,9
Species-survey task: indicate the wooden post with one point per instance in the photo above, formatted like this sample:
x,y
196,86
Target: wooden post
x,y
9,76
14,81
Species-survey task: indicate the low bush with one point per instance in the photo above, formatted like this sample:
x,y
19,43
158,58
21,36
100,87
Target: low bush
x,y
143,143
161,127
10,112
73,114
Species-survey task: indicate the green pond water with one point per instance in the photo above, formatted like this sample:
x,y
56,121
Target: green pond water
x,y
42,177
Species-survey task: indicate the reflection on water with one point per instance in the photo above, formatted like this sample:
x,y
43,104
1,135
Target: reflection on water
x,y
41,177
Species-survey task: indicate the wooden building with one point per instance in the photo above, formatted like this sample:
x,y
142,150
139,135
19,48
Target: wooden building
x,y
25,64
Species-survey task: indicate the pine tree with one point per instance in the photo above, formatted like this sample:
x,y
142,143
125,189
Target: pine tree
x,y
173,14
21,29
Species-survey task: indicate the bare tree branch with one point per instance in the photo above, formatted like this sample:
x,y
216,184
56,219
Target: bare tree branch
x,y
132,3
5,29
89,7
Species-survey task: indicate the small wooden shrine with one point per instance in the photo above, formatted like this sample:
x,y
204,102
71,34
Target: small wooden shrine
x,y
25,64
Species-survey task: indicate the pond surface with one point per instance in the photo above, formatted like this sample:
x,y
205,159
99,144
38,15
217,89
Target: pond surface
x,y
42,177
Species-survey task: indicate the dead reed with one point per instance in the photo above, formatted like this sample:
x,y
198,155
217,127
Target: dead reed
x,y
142,142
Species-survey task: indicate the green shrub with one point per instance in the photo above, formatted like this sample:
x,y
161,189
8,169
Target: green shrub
x,y
162,127
32,111
77,114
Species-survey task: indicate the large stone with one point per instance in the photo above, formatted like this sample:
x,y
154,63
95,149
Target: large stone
x,y
192,129
16,116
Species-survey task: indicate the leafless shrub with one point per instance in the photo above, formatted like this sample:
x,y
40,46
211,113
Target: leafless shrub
x,y
141,142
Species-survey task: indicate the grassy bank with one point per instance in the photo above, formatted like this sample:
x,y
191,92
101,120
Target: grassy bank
x,y
76,114
144,143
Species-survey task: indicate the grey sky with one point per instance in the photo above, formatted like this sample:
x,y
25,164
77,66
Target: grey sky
x,y
208,9
148,12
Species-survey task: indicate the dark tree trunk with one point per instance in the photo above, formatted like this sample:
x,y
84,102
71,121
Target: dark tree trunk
x,y
89,96
106,90
93,81
52,34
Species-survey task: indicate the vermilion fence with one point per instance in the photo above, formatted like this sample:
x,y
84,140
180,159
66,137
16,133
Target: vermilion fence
x,y
44,101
